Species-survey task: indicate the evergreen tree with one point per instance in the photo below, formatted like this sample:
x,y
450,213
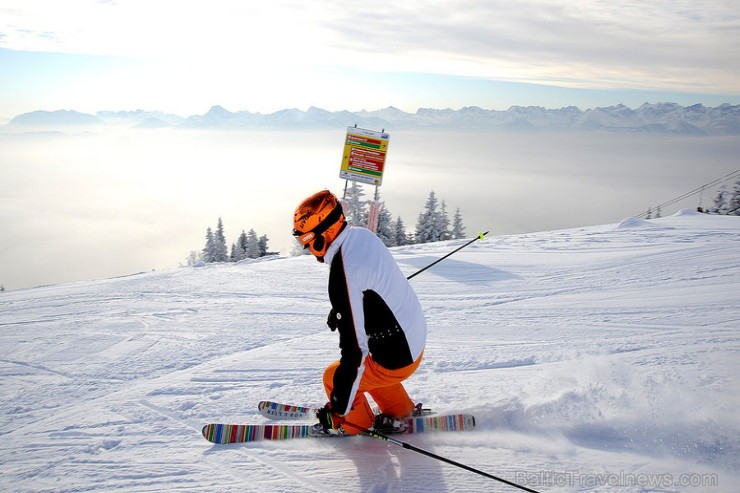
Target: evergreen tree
x,y
240,248
253,246
209,250
220,252
192,259
442,222
356,213
263,245
428,226
297,250
385,231
458,230
399,233
720,201
733,204
246,246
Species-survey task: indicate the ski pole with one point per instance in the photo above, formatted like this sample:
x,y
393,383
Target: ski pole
x,y
408,446
479,237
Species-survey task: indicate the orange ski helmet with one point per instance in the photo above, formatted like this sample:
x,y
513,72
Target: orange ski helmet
x,y
317,221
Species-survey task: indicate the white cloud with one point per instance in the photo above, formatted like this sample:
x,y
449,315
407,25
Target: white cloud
x,y
657,44
592,43
228,30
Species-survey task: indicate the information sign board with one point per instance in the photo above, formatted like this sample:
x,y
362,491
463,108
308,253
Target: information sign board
x,y
364,154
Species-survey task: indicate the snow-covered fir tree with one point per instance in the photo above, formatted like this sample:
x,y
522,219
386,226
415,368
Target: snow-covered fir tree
x,y
385,226
297,249
220,252
720,201
253,245
433,223
209,249
356,213
425,223
429,225
442,222
458,230
239,251
193,258
246,246
399,233
733,204
263,245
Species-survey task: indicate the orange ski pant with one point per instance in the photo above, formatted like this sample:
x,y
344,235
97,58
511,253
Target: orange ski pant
x,y
383,385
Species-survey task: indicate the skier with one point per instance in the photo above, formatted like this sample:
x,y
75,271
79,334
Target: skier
x,y
382,330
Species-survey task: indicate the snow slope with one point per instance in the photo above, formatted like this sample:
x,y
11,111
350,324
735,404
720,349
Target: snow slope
x,y
595,359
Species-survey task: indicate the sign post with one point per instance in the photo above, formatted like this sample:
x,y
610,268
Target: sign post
x,y
373,215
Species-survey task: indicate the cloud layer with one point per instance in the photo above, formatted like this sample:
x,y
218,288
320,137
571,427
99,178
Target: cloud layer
x,y
655,44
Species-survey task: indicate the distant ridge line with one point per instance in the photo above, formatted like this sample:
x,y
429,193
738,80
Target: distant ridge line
x,y
661,118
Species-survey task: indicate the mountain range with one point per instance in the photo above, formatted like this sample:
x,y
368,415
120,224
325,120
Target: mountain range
x,y
667,118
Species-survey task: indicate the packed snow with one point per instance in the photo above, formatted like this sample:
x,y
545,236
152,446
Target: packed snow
x,y
601,358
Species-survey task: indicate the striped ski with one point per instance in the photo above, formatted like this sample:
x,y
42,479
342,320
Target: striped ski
x,y
445,422
276,410
243,433
279,411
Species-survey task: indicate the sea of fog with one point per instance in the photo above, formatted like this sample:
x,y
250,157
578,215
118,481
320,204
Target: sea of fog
x,y
110,202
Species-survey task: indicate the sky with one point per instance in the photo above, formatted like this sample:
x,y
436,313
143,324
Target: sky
x,y
183,57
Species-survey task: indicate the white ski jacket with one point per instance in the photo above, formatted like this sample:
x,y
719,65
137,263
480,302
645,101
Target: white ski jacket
x,y
375,308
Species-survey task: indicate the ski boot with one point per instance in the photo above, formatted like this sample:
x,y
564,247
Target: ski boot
x,y
389,424
318,430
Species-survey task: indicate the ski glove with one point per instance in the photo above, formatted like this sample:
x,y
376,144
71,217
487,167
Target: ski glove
x,y
333,320
329,419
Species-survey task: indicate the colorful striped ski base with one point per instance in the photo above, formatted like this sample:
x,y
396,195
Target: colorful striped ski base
x,y
448,422
223,433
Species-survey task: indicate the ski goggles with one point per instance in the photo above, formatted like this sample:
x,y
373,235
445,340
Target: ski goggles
x,y
304,239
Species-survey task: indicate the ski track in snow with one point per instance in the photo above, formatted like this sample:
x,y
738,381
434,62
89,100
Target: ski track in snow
x,y
585,354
